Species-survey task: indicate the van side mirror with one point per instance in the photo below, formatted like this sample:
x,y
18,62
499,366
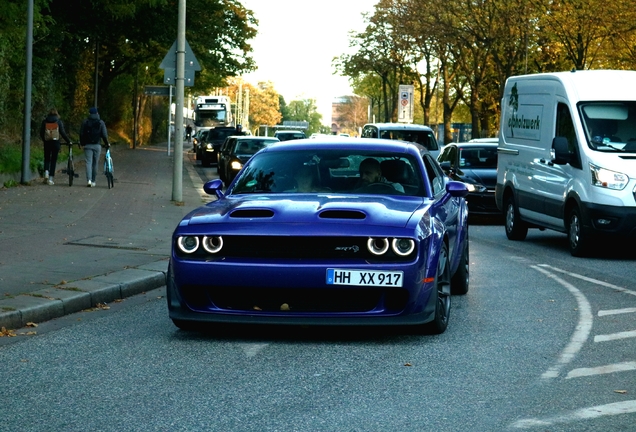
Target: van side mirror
x,y
561,151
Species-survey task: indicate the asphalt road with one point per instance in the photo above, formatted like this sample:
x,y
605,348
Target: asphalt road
x,y
542,341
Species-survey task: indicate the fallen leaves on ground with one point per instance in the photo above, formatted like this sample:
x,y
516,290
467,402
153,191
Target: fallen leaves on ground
x,y
8,333
98,306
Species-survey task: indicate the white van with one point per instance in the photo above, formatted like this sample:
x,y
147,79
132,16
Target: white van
x,y
403,132
567,155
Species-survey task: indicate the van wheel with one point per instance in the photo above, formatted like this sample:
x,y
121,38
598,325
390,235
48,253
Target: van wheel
x,y
579,237
516,229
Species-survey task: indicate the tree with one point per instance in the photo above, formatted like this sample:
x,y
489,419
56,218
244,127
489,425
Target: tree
x,y
264,106
305,110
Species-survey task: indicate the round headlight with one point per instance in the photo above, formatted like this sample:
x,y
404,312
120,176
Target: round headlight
x,y
403,247
377,246
212,244
188,244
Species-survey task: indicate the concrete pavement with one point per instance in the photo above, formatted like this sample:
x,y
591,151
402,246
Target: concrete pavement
x,y
65,249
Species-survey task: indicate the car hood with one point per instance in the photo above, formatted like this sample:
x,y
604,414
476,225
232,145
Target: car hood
x,y
310,209
486,177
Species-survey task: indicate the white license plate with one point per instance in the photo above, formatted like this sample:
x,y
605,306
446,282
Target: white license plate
x,y
364,277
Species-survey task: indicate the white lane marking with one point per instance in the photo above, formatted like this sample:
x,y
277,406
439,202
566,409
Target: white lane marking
x,y
599,370
588,279
582,331
593,412
615,336
616,311
251,349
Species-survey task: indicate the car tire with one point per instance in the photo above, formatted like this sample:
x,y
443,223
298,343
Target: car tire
x,y
442,295
580,239
185,325
460,280
516,229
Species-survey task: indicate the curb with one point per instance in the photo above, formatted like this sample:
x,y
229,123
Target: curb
x,y
54,302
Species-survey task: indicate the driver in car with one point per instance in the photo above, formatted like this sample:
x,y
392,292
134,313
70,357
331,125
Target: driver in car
x,y
371,172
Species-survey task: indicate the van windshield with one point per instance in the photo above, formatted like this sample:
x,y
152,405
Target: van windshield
x,y
610,126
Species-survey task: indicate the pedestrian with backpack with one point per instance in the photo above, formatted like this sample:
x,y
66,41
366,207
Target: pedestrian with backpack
x,y
51,130
93,130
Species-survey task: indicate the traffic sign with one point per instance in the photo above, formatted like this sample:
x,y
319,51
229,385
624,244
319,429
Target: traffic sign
x,y
169,66
405,111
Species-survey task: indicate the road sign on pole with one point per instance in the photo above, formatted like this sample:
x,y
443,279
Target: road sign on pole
x,y
169,66
405,110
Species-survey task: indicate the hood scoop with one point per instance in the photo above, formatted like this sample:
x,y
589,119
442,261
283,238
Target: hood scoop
x,y
342,214
255,213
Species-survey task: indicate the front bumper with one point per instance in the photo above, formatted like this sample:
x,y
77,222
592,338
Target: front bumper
x,y
289,294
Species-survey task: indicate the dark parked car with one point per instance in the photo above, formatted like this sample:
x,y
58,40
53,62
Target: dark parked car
x,y
474,163
347,247
210,144
236,151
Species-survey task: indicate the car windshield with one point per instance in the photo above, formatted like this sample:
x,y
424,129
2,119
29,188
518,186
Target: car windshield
x,y
250,147
610,126
344,171
478,157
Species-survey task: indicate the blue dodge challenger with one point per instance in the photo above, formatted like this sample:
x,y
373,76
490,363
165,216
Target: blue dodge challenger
x,y
334,231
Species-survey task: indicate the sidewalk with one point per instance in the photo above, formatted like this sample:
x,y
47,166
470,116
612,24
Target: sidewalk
x,y
64,249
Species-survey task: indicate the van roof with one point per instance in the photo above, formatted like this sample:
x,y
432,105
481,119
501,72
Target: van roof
x,y
585,85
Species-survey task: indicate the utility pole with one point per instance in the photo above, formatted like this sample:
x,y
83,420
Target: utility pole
x,y
26,134
177,178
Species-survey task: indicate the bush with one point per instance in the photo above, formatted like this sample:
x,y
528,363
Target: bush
x,y
11,157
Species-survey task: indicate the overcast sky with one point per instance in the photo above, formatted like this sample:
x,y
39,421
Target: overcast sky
x,y
296,42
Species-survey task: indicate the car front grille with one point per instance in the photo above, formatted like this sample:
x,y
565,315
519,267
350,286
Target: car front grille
x,y
295,300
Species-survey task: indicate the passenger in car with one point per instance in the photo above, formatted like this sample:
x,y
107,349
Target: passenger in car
x,y
307,180
371,172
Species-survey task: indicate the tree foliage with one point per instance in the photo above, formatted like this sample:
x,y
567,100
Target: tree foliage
x,y
462,51
106,51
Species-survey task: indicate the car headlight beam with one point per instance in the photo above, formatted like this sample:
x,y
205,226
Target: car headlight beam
x,y
188,244
212,244
378,246
402,246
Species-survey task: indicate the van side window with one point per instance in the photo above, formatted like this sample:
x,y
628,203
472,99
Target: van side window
x,y
565,128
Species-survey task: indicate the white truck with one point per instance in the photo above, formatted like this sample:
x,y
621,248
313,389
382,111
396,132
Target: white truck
x,y
567,156
212,111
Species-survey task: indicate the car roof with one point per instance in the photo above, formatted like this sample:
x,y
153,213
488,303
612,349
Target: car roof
x,y
339,142
479,144
484,140
399,126
290,131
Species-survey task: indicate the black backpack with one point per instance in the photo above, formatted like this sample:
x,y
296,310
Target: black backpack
x,y
91,133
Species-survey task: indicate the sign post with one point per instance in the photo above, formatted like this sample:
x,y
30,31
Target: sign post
x,y
179,59
405,109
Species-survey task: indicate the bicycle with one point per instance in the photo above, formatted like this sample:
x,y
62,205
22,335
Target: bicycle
x,y
70,168
108,169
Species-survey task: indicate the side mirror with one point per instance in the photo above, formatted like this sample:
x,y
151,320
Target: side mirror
x,y
457,189
214,187
446,166
561,151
